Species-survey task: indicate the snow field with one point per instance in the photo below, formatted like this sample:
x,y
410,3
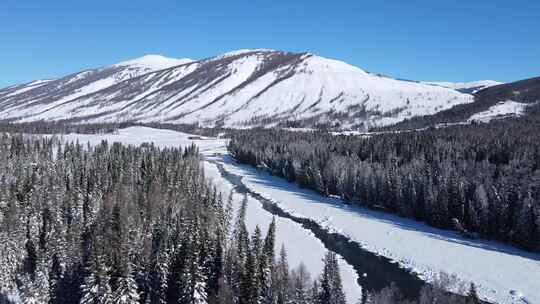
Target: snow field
x,y
501,109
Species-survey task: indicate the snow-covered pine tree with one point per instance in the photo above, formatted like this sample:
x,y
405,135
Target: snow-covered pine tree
x,y
281,277
96,288
266,265
472,295
331,290
198,293
215,267
301,282
228,216
269,242
55,279
126,289
241,248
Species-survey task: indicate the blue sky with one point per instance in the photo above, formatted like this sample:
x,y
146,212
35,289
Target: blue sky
x,y
414,39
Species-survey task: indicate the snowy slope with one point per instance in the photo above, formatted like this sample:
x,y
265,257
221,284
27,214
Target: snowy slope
x,y
466,87
44,96
501,109
149,63
237,89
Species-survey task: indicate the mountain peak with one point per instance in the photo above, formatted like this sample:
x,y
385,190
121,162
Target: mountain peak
x,y
244,51
153,62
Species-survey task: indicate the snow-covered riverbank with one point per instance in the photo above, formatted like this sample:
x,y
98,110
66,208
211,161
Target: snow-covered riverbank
x,y
502,273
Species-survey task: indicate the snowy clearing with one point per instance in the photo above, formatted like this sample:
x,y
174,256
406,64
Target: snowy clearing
x,y
501,109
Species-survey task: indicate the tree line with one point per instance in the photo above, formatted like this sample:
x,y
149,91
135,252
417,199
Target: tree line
x,y
65,127
482,180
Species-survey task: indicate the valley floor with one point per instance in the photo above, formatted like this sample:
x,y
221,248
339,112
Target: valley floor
x,y
503,274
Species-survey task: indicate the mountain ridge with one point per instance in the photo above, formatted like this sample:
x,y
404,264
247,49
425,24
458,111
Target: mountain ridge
x,y
249,87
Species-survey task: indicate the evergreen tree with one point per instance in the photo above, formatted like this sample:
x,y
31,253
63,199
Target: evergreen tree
x,y
97,288
126,291
331,290
300,285
281,278
215,273
472,295
269,242
55,279
266,265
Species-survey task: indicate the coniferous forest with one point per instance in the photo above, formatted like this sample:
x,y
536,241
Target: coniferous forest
x,y
117,224
482,180
124,224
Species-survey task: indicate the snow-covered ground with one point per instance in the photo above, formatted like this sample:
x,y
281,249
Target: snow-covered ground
x,y
302,245
473,86
503,273
139,135
153,62
501,109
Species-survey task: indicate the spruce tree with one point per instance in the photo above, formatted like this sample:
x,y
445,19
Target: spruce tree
x,y
472,295
96,288
126,291
281,277
331,290
300,284
266,266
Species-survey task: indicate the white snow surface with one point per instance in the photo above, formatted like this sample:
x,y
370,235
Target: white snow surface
x,y
478,85
501,109
237,89
153,62
502,273
242,51
297,240
68,90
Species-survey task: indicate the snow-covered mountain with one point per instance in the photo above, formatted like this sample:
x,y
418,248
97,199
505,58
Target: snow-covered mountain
x,y
466,87
238,89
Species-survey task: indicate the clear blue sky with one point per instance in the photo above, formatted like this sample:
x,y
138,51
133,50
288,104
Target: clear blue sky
x,y
421,40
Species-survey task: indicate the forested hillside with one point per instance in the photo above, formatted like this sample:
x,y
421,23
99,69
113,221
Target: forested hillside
x,y
482,180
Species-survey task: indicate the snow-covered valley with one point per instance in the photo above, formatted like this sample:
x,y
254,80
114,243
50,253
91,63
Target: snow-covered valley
x,y
503,274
